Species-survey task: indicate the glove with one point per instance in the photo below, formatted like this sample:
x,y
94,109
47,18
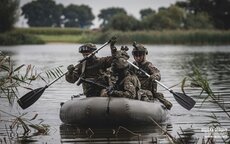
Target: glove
x,y
113,41
70,68
115,93
153,77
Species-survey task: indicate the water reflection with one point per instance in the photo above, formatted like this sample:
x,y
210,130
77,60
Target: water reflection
x,y
75,134
173,61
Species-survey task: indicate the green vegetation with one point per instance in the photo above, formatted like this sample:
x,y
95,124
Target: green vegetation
x,y
75,35
200,81
15,38
8,14
190,14
19,127
189,22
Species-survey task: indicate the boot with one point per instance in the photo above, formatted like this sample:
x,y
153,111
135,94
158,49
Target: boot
x,y
164,101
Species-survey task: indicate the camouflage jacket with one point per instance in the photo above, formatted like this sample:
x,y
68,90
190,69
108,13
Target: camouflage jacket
x,y
147,83
127,87
90,69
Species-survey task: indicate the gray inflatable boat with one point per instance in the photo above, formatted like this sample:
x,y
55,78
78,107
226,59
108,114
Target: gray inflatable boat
x,y
111,111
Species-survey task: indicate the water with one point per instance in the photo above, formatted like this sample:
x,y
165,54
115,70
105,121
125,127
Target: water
x,y
173,61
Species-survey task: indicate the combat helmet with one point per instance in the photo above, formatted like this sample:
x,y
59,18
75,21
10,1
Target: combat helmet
x,y
87,48
139,49
120,60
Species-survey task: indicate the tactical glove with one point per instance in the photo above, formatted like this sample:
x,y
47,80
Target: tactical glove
x,y
153,77
113,41
70,68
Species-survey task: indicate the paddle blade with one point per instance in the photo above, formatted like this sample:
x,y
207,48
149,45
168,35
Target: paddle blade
x,y
31,97
184,100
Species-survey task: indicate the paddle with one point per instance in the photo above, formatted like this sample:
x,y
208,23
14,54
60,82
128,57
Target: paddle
x,y
108,88
184,100
31,97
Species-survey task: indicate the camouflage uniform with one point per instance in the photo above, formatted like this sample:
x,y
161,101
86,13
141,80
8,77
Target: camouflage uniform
x,y
127,87
92,69
126,84
148,83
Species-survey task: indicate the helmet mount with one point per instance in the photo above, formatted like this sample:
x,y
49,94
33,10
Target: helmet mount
x,y
87,48
139,49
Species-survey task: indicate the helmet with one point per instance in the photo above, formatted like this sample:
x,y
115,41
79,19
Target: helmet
x,y
119,66
121,54
139,49
120,60
120,63
87,48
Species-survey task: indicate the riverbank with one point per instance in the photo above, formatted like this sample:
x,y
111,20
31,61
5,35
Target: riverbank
x,y
74,35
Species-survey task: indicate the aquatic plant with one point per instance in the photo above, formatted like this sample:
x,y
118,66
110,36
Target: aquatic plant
x,y
11,79
199,80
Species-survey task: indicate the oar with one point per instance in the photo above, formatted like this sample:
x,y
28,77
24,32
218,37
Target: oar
x,y
32,96
184,100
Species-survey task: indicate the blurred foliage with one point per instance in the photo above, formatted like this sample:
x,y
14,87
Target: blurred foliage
x,y
8,14
190,14
217,10
44,13
107,14
78,16
16,38
11,77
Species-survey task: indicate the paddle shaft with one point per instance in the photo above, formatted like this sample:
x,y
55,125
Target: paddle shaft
x,y
149,76
184,100
32,96
94,52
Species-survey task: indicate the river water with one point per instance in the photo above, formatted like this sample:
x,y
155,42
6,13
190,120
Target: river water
x,y
174,63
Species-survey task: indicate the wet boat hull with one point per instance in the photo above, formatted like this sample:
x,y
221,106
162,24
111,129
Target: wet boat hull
x,y
104,111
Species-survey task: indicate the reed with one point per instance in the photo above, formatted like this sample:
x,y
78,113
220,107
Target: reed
x,y
11,79
16,38
198,80
185,37
51,31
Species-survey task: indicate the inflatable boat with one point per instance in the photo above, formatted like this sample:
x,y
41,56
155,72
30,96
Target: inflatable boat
x,y
111,111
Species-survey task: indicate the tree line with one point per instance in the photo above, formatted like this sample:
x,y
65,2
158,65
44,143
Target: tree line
x,y
190,14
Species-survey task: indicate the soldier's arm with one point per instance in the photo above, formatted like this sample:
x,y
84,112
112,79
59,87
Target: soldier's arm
x,y
154,72
105,62
112,45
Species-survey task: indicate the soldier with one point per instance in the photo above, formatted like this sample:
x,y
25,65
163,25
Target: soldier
x,y
147,83
126,85
92,69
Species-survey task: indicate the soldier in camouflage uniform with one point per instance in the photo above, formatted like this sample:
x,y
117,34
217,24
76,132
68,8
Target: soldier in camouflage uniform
x,y
92,69
126,85
147,83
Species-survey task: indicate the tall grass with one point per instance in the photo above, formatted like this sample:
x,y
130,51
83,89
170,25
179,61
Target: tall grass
x,y
196,37
16,38
11,79
185,37
197,79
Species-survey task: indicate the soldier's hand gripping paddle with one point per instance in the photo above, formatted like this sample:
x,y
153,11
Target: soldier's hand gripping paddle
x,y
184,100
31,97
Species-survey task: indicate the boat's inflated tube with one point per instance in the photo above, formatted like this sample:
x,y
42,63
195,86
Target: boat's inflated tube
x,y
111,111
